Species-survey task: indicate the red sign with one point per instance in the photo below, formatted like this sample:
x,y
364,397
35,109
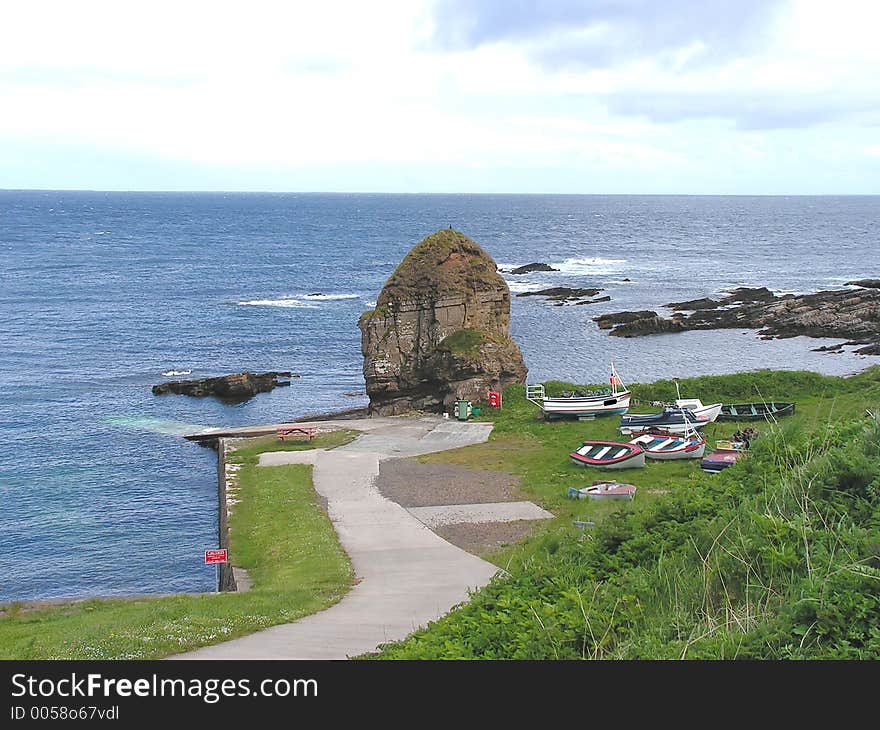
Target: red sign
x,y
215,556
494,399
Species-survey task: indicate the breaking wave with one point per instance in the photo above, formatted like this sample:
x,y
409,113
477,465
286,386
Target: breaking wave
x,y
298,301
590,267
328,297
171,373
286,303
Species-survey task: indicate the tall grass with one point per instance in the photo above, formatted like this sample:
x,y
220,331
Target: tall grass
x,y
777,557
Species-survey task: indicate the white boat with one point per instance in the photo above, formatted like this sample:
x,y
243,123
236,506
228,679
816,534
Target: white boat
x,y
612,402
703,413
604,490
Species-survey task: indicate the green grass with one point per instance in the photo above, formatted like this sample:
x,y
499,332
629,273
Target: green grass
x,y
463,342
278,533
776,557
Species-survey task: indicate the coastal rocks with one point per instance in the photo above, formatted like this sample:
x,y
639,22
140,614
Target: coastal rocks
x,y
607,321
865,283
564,294
233,388
693,304
440,330
531,268
839,314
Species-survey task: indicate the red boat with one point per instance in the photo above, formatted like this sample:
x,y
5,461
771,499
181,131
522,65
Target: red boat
x,y
609,455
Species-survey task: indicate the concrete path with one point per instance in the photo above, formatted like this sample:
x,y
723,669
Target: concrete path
x,y
406,574
451,514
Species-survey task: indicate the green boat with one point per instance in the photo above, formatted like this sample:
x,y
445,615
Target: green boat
x,y
755,411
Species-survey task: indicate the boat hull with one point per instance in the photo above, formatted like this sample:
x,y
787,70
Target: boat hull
x,y
703,413
606,405
755,411
671,423
608,455
720,459
653,444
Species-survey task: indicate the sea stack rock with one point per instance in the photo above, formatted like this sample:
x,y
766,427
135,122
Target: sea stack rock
x,y
440,330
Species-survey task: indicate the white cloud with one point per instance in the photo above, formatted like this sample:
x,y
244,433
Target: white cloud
x,y
299,85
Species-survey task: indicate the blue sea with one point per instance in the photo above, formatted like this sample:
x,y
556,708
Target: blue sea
x,y
104,293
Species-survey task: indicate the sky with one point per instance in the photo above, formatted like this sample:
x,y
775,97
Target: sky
x,y
757,97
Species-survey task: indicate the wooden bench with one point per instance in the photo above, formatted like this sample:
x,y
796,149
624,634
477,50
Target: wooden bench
x,y
307,431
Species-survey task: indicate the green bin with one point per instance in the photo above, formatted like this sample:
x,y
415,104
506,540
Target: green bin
x,y
462,409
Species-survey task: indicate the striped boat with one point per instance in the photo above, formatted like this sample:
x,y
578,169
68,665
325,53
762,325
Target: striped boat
x,y
755,411
609,455
664,447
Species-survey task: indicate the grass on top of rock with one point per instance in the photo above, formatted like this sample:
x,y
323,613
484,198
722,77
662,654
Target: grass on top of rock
x,y
462,342
295,572
442,263
775,557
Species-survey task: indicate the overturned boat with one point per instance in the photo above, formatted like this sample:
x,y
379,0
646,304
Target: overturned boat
x,y
604,490
609,455
614,401
664,447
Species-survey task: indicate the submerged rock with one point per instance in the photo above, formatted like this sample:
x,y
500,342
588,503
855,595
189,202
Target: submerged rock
x,y
236,388
440,330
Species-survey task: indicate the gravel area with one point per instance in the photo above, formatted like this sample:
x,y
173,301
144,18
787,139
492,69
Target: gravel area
x,y
486,537
412,484
479,513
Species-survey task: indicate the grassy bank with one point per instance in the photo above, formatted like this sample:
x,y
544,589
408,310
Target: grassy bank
x,y
278,533
777,557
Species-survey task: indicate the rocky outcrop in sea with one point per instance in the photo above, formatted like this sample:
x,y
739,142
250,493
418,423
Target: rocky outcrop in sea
x,y
440,330
848,313
232,388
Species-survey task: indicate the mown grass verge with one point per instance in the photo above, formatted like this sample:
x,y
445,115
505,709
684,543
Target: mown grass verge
x,y
777,557
278,533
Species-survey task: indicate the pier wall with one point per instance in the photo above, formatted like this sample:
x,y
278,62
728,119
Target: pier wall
x,y
226,581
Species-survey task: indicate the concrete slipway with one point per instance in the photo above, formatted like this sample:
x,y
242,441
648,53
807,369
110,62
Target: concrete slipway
x,y
407,575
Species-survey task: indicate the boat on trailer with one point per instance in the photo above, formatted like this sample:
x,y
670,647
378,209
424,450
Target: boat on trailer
x,y
608,403
755,411
604,490
665,447
609,455
672,420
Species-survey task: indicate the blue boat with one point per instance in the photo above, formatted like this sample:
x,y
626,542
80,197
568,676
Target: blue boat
x,y
672,420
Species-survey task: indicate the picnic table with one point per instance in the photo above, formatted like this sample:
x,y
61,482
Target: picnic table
x,y
307,431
